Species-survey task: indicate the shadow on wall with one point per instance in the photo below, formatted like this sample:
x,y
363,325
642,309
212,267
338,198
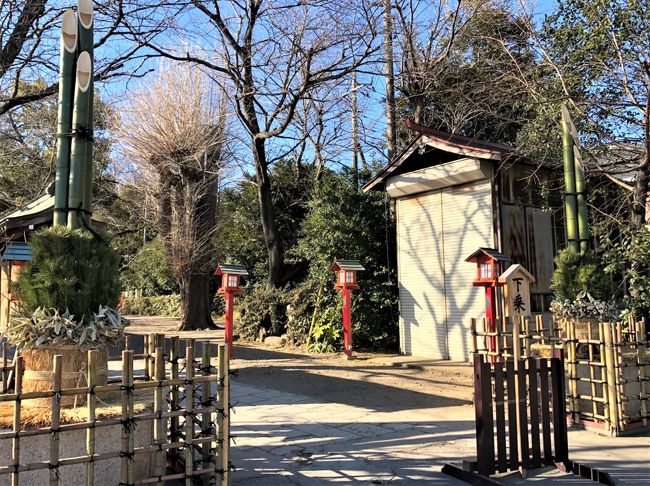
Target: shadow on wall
x,y
437,298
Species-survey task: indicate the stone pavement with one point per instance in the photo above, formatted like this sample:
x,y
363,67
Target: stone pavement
x,y
288,439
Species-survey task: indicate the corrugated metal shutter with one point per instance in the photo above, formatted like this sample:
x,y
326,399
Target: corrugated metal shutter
x,y
467,225
421,279
436,231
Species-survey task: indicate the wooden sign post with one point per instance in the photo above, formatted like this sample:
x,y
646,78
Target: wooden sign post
x,y
516,282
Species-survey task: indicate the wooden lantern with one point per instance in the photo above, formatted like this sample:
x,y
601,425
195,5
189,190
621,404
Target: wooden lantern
x,y
489,265
346,282
230,277
346,273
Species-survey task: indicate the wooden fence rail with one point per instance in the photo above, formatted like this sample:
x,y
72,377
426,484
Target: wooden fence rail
x,y
188,417
607,365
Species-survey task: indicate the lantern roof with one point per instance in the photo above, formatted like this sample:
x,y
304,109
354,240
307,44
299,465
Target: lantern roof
x,y
231,269
490,252
346,265
513,270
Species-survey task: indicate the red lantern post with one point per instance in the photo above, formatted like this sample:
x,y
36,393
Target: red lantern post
x,y
489,265
346,281
230,286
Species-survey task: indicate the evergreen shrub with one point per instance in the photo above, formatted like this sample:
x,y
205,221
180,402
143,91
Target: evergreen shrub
x,y
70,270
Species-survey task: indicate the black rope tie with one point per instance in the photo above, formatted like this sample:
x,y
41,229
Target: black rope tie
x,y
55,468
130,456
128,424
82,133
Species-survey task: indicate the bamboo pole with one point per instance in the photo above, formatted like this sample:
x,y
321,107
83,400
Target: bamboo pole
x,y
603,373
15,445
611,380
573,370
174,394
189,417
55,420
641,357
571,203
620,386
581,200
86,44
206,399
221,412
92,402
159,431
526,323
5,366
592,371
64,115
78,151
226,420
539,325
126,470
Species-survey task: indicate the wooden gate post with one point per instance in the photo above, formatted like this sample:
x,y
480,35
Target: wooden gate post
x,y
612,405
483,412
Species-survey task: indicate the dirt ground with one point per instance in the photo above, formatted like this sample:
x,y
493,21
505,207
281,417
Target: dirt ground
x,y
369,378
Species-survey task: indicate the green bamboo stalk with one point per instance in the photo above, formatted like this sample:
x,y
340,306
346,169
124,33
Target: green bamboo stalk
x,y
78,152
581,199
86,44
570,187
64,116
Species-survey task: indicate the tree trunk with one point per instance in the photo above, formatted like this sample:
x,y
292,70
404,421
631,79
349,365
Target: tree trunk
x,y
391,137
196,299
267,215
640,195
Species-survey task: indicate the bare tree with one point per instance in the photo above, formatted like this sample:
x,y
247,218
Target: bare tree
x,y
29,43
426,33
391,134
274,53
175,129
597,61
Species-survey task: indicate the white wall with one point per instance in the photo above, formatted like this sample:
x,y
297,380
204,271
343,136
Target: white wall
x,y
436,231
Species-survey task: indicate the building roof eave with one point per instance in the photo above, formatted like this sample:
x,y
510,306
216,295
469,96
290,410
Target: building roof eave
x,y
445,141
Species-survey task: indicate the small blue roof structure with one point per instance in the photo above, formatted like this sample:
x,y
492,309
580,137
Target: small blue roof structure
x,y
16,251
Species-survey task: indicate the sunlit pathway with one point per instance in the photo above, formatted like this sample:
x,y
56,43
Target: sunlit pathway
x,y
289,439
284,439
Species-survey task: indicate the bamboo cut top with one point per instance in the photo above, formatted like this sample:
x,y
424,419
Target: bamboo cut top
x,y
69,30
84,71
85,9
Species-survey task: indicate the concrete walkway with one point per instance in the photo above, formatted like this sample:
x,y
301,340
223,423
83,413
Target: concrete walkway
x,y
289,439
285,439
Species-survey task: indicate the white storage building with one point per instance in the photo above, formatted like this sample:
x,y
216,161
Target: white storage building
x,y
453,195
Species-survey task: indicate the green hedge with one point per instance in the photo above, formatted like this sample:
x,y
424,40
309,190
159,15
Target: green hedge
x,y
162,305
158,305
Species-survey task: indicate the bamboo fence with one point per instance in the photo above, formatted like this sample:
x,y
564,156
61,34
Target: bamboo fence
x,y
189,415
607,365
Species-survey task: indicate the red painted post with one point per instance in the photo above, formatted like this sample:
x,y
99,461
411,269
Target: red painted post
x,y
229,313
491,316
347,322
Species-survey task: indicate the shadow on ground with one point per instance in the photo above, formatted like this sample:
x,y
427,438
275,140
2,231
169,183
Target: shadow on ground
x,y
353,392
